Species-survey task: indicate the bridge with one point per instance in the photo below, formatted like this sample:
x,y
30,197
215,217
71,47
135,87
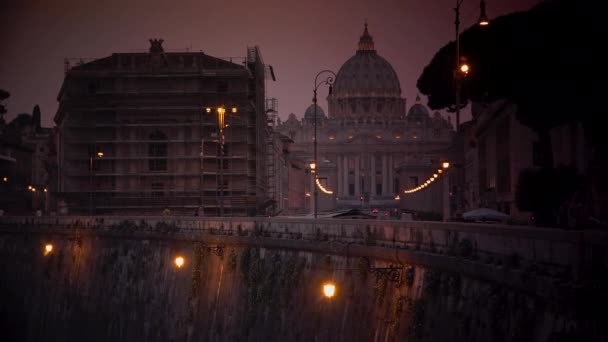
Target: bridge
x,y
261,279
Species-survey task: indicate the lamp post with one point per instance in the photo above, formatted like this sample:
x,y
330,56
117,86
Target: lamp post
x,y
221,124
464,69
446,190
329,80
91,157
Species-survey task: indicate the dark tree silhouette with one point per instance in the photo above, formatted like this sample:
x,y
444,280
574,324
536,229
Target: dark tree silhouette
x,y
547,60
3,96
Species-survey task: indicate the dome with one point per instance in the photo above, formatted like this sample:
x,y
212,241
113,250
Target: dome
x,y
309,115
366,74
418,111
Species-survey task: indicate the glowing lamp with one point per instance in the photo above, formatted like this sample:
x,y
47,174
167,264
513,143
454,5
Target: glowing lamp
x,y
329,290
179,261
445,165
48,248
483,18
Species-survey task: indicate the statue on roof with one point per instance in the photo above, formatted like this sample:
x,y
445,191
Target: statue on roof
x,y
156,46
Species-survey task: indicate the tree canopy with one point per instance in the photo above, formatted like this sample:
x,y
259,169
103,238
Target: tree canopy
x,y
547,60
3,96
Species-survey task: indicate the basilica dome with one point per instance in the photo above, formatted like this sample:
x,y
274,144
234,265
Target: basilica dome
x,y
309,114
418,111
366,74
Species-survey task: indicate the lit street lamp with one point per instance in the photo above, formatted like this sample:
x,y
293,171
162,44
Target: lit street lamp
x,y
48,249
91,157
179,261
464,69
446,190
329,80
221,124
329,290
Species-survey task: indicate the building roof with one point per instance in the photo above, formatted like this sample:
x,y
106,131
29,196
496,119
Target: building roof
x,y
156,58
366,74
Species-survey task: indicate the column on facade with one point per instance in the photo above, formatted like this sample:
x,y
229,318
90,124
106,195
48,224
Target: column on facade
x,y
357,175
339,175
391,176
372,178
384,176
345,176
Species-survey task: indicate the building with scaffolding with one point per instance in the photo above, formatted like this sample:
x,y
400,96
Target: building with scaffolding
x,y
164,132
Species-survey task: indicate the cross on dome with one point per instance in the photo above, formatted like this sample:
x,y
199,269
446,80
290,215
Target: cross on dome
x,y
366,42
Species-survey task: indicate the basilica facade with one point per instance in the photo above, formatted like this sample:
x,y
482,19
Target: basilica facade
x,y
369,147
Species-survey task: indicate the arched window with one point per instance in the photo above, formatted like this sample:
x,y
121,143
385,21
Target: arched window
x,y
157,151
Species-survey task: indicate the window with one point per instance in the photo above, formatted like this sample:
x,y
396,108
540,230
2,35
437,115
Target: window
x,y
396,183
157,152
378,189
351,189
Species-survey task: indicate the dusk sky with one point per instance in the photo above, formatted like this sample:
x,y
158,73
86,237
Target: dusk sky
x,y
298,38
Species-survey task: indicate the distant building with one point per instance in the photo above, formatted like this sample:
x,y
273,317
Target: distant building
x,y
26,165
139,133
369,148
501,147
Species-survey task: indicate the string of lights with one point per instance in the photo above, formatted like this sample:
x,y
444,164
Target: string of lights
x,y
322,188
429,181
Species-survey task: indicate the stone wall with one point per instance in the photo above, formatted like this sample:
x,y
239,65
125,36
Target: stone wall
x,y
113,279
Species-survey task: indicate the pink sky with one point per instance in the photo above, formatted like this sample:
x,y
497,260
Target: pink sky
x,y
298,38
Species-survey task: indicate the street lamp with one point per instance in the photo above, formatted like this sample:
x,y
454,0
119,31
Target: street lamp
x,y
221,124
464,69
179,261
91,156
329,290
329,80
48,249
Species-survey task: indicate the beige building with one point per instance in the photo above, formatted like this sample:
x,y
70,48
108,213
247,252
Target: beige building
x,y
370,149
140,133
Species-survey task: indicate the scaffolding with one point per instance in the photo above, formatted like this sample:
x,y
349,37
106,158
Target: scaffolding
x,y
271,152
184,169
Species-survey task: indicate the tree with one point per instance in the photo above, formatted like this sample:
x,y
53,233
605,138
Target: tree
x,y
546,60
3,96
